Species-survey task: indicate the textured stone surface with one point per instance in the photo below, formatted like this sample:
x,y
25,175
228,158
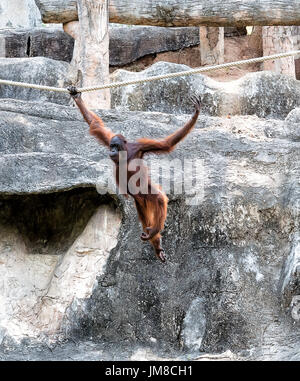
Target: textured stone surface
x,y
19,14
51,255
39,70
230,260
264,94
36,42
128,43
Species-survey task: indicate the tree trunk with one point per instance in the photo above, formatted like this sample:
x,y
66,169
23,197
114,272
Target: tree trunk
x,y
296,34
58,11
211,45
91,50
278,39
184,12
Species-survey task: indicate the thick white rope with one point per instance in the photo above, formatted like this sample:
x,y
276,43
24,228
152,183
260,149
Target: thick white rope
x,y
156,77
33,86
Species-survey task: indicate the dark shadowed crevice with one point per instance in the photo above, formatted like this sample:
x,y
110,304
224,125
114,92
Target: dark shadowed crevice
x,y
297,68
50,223
28,46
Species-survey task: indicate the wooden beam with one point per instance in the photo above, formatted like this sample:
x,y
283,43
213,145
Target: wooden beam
x,y
58,11
183,12
211,45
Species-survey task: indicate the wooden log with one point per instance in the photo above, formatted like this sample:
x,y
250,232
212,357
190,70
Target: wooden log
x,y
184,12
58,11
211,45
279,39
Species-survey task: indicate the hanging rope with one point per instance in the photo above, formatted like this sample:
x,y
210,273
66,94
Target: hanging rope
x,y
153,78
33,86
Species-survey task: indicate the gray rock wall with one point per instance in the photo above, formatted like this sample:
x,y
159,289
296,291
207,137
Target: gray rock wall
x,y
230,281
264,94
127,43
39,70
36,42
19,14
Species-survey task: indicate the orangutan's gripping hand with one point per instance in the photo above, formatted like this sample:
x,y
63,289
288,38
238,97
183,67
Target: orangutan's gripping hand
x,y
74,92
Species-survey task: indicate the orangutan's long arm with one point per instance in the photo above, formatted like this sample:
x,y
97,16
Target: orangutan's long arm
x,y
168,144
97,127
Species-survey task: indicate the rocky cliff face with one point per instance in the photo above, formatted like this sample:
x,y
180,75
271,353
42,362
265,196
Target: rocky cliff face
x,y
264,94
39,70
16,14
72,263
36,42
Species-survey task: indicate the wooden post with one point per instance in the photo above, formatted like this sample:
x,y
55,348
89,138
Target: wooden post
x,y
211,45
278,39
91,54
296,35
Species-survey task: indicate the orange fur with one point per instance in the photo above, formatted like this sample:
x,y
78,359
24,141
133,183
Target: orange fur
x,y
151,207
